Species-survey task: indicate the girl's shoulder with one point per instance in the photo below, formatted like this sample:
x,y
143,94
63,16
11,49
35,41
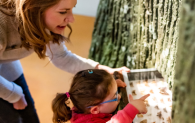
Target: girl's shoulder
x,y
91,118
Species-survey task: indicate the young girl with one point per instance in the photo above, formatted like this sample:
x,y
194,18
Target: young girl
x,y
28,26
94,96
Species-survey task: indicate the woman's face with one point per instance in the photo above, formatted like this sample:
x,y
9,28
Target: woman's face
x,y
58,16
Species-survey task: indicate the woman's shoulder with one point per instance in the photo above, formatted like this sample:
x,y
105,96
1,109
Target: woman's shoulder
x,y
5,16
7,11
7,24
3,23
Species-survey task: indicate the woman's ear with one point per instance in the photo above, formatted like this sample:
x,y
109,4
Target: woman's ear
x,y
95,110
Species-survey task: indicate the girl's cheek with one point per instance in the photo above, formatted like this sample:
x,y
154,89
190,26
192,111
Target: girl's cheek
x,y
119,96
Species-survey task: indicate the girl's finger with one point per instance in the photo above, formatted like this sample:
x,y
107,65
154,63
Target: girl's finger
x,y
145,111
130,98
144,97
120,83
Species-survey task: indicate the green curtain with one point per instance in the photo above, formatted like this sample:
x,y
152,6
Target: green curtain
x,y
184,83
137,34
151,33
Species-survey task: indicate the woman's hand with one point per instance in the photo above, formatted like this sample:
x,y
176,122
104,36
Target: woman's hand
x,y
119,82
20,104
112,70
120,69
139,103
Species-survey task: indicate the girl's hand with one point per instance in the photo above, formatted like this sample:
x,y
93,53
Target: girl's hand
x,y
20,104
120,83
139,103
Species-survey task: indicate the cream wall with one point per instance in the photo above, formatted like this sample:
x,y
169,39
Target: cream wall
x,y
86,7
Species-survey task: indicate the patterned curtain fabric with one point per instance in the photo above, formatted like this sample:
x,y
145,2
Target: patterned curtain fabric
x,y
151,33
184,88
137,34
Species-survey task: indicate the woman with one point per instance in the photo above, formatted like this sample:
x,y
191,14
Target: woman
x,y
28,26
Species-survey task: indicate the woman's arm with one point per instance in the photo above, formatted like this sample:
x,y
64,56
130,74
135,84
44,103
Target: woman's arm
x,y
66,60
10,91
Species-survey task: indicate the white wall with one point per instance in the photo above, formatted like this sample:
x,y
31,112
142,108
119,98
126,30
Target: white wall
x,y
86,7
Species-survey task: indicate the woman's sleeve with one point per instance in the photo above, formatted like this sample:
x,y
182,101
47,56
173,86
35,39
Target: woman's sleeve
x,y
124,116
10,91
65,60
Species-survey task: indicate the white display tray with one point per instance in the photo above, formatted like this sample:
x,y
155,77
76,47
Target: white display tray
x,y
159,104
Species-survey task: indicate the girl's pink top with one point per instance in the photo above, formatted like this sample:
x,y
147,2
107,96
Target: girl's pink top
x,y
123,116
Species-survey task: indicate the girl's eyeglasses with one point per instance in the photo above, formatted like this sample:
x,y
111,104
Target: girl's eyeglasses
x,y
115,99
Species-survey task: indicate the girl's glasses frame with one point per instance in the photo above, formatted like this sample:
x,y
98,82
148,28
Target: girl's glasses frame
x,y
115,99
